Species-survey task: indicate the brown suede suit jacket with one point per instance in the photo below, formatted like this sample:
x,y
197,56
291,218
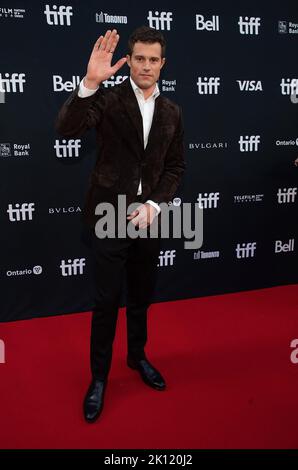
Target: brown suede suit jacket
x,y
121,157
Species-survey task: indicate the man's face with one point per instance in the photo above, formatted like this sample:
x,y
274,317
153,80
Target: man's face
x,y
145,64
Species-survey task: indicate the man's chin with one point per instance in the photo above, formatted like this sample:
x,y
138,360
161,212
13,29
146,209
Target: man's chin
x,y
145,83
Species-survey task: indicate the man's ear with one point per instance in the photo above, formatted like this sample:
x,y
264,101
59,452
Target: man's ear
x,y
163,60
128,59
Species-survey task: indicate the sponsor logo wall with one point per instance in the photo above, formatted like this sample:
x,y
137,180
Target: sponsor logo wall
x,y
233,71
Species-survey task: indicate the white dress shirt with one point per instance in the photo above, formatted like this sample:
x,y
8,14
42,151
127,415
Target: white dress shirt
x,y
147,110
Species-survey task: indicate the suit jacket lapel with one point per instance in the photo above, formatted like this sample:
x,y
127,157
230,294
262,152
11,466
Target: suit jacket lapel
x,y
132,107
156,122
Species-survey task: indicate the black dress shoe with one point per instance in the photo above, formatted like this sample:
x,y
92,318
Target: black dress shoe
x,y
148,373
93,403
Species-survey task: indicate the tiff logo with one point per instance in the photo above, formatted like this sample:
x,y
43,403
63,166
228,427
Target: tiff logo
x,y
249,25
2,352
72,267
208,25
56,17
246,250
160,22
21,212
289,86
68,148
249,143
208,201
13,84
208,86
112,81
166,258
286,195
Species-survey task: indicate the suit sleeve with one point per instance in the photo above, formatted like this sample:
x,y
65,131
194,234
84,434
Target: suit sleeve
x,y
173,169
78,115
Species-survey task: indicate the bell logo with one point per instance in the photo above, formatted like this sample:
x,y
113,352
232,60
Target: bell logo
x,y
210,25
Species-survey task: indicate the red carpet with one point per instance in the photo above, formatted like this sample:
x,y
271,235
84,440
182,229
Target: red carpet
x,y
231,383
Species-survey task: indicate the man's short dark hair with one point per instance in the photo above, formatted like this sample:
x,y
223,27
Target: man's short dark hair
x,y
147,35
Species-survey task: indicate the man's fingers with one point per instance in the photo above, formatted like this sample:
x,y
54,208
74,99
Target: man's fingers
x,y
118,65
97,44
105,40
112,41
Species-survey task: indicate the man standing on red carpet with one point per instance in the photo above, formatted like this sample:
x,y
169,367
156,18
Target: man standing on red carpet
x,y
140,156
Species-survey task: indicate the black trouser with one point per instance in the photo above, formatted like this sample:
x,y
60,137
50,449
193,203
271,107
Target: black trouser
x,y
114,258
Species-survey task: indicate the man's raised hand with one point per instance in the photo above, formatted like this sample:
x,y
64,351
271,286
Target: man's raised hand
x,y
99,67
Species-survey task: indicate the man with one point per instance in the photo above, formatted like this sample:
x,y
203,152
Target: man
x,y
140,155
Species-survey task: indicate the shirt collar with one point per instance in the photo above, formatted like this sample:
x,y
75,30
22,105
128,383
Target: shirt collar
x,y
136,89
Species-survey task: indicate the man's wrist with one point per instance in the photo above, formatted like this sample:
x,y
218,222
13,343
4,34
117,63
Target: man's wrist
x,y
155,205
85,92
90,84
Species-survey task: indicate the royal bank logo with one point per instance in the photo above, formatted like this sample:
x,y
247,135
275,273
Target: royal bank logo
x,y
67,148
249,25
114,80
14,150
286,195
207,25
287,27
58,15
249,143
73,267
160,20
289,86
246,250
36,270
208,85
208,200
21,212
12,83
250,85
107,18
166,258
168,85
17,13
69,85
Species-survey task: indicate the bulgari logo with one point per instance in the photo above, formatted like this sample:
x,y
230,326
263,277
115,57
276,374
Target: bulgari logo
x,y
207,145
65,210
